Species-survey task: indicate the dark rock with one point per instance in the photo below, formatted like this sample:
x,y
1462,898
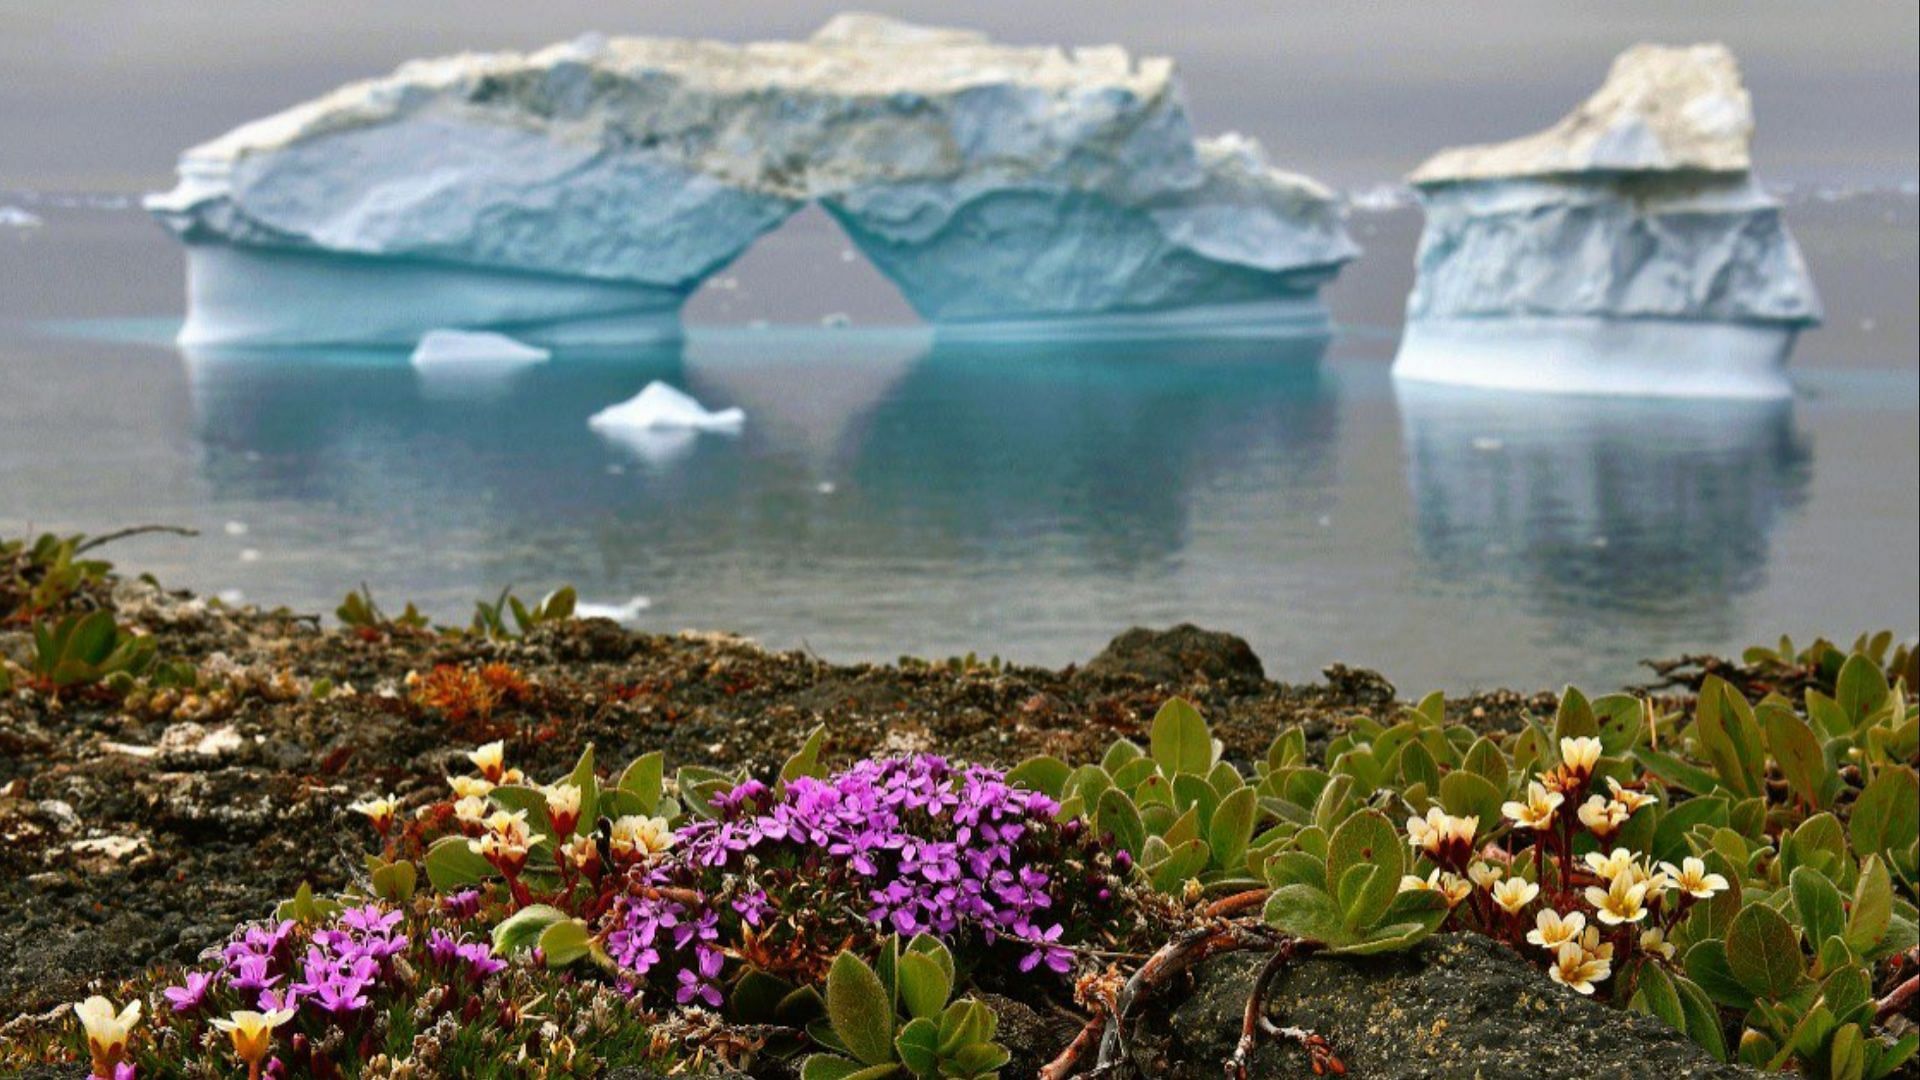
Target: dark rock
x,y
1361,686
1177,656
1031,1038
1457,1006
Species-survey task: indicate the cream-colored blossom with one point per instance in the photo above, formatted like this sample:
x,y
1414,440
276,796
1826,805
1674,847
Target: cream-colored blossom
x,y
1538,811
470,810
1552,930
108,1031
1578,965
1443,837
1484,875
1692,878
1602,816
1630,798
1514,894
380,811
1655,941
470,787
252,1033
1580,755
1612,866
635,835
1622,901
490,759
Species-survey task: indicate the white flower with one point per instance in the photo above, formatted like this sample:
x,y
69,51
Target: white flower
x,y
470,787
1580,755
1537,812
252,1032
1691,877
1655,941
563,807
1628,797
636,835
1447,839
107,1031
1623,901
1551,930
1580,964
471,810
1603,816
380,811
1451,886
1611,866
490,760
1483,875
1514,894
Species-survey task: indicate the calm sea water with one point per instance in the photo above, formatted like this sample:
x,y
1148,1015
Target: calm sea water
x,y
891,494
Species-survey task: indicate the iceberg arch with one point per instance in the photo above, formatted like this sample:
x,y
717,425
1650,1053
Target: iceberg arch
x,y
579,194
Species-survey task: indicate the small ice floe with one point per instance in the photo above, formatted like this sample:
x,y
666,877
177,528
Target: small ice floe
x,y
231,597
825,487
662,408
249,554
236,528
836,320
1380,198
474,347
1487,444
13,217
624,614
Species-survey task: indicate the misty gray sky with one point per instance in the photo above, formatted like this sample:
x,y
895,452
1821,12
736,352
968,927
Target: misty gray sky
x,y
102,94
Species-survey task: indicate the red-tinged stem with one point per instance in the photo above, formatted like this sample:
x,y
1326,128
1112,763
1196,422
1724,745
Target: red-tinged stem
x,y
1897,1000
1061,1067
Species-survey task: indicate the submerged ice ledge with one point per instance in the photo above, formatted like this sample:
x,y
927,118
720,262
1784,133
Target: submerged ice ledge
x,y
584,191
1576,354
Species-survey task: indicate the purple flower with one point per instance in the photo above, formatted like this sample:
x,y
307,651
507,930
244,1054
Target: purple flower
x,y
1045,952
693,987
462,905
251,972
191,993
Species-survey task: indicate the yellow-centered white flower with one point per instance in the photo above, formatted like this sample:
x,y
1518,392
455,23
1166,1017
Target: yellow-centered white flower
x,y
1603,816
490,760
1578,967
1446,838
1452,887
636,835
1580,754
1537,812
1552,930
379,810
1612,866
1623,901
1514,894
470,787
107,1031
1628,797
1692,878
252,1032
1655,941
1484,875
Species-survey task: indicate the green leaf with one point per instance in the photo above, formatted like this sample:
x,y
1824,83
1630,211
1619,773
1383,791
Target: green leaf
x,y
1847,1054
1410,918
918,1046
1232,828
646,779
1703,1019
1180,741
1656,996
1707,965
394,881
1417,766
924,985
1574,718
1817,903
1798,752
1366,839
1763,951
1886,818
582,777
806,761
452,865
1187,860
1042,774
1468,794
1674,772
564,942
1872,908
1860,689
860,1010
1116,814
523,928
1728,733
1485,759
834,1067
1305,912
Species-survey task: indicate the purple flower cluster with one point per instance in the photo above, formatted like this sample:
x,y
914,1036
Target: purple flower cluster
x,y
343,963
651,923
474,959
936,847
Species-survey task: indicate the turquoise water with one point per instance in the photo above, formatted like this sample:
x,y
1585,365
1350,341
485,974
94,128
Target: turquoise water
x,y
893,494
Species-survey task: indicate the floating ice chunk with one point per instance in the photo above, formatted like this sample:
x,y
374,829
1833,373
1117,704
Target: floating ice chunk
x,y
474,346
662,408
624,614
13,217
236,528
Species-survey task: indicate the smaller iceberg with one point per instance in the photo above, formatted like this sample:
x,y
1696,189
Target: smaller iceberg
x,y
625,614
474,347
662,408
12,217
1626,250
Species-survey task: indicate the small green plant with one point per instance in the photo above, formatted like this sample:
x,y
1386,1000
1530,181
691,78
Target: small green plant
x,y
82,650
897,1020
360,613
490,620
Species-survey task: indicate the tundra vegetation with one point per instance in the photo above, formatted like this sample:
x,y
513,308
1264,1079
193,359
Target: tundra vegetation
x,y
1744,869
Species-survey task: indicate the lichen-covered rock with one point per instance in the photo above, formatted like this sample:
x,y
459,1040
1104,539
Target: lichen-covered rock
x,y
582,191
1457,1006
1625,249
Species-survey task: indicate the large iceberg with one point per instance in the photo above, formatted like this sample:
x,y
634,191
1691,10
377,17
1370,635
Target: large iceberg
x,y
1627,249
580,193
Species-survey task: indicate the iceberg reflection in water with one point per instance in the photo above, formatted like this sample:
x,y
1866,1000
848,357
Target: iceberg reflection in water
x,y
1653,508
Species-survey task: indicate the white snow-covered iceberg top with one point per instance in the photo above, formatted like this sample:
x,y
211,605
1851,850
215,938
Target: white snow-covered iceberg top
x,y
1625,250
660,407
993,183
482,347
